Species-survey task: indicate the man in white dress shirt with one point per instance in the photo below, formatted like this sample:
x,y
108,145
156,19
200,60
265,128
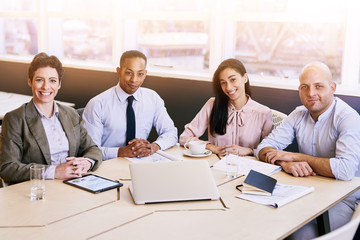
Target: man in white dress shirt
x,y
105,116
328,134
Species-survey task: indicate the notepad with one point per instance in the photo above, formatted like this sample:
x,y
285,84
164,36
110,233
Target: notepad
x,y
245,164
282,194
158,156
258,184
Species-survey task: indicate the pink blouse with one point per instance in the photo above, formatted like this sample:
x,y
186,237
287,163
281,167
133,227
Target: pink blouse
x,y
245,127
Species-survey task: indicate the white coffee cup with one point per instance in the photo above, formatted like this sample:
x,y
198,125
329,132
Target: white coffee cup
x,y
196,147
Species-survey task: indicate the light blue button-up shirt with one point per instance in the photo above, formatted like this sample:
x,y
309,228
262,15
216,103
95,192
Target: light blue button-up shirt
x,y
105,119
336,135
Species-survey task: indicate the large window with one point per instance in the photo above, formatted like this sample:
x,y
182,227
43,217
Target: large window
x,y
189,38
19,36
278,37
80,39
282,49
18,27
173,34
183,43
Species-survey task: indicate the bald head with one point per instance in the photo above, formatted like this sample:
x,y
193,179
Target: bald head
x,y
316,88
317,68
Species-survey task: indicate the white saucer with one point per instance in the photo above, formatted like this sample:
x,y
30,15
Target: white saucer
x,y
205,154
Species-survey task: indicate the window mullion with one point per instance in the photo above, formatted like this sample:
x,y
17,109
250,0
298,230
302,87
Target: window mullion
x,y
351,57
216,35
42,27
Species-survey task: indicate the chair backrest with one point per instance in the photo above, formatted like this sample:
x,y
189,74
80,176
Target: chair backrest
x,y
345,232
2,183
277,117
80,111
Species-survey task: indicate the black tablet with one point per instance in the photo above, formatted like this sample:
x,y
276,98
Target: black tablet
x,y
93,183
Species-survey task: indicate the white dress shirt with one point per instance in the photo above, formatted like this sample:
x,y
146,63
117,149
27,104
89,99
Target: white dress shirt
x,y
58,142
105,119
336,135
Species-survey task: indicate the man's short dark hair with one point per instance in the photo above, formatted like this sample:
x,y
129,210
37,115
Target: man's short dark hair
x,y
132,54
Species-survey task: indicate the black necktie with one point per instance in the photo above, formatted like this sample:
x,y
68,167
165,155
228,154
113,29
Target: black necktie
x,y
130,120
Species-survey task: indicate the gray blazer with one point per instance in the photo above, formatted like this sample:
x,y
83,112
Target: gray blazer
x,y
23,141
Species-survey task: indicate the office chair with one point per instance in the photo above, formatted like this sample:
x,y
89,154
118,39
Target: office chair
x,y
345,232
277,117
2,183
80,111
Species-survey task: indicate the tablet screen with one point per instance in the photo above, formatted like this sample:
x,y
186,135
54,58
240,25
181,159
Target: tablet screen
x,y
93,183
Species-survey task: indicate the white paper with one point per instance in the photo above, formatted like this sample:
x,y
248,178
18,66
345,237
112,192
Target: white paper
x,y
159,156
281,195
246,164
169,156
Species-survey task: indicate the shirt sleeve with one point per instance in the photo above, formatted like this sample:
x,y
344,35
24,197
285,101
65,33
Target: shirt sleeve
x,y
345,164
92,163
281,137
198,125
92,117
164,126
50,172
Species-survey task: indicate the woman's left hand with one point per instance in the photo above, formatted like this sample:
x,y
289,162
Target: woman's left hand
x,y
73,167
221,151
80,165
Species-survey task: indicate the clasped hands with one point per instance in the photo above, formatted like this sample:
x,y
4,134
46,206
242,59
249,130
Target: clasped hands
x,y
138,148
289,162
221,150
73,167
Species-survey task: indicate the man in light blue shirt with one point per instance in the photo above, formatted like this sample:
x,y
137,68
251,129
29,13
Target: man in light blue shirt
x,y
327,131
105,116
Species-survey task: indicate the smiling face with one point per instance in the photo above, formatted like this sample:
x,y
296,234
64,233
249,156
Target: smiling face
x,y
233,85
316,89
132,74
45,85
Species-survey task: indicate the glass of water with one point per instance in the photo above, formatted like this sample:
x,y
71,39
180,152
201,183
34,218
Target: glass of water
x,y
231,163
37,182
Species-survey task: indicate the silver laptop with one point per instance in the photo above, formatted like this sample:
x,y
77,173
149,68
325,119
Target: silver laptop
x,y
172,181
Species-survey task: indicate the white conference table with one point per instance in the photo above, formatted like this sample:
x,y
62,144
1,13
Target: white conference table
x,y
11,101
71,213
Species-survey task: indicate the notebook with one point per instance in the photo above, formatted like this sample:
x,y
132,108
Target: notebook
x,y
172,181
258,184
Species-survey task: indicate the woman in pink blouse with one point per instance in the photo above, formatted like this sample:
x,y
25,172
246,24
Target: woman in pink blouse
x,y
232,118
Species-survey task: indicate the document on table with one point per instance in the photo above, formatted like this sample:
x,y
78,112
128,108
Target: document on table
x,y
246,164
281,195
159,156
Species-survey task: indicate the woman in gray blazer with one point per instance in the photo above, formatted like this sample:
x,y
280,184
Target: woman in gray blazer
x,y
45,132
